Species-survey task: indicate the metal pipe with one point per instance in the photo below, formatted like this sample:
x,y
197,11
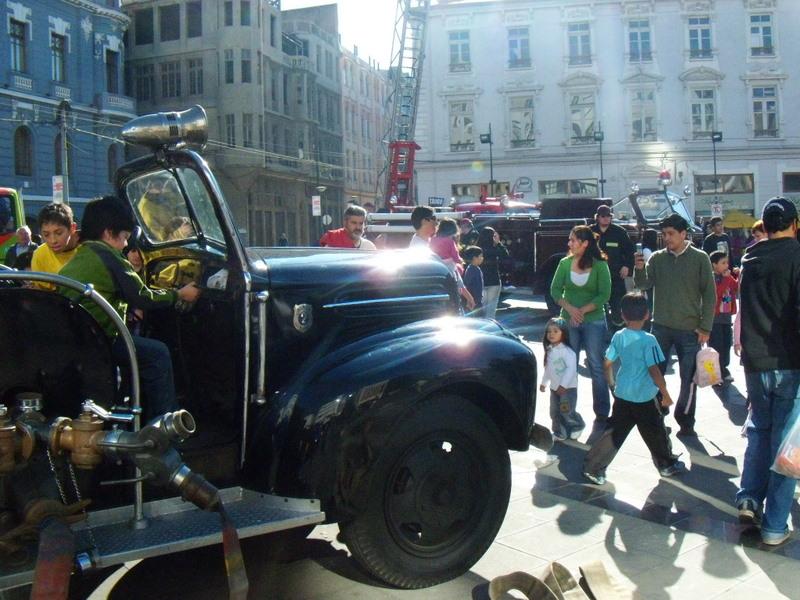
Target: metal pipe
x,y
261,376
88,291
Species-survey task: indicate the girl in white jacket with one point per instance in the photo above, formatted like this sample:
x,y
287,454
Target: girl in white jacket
x,y
561,374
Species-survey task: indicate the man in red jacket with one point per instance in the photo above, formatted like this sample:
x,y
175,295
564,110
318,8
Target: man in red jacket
x,y
349,236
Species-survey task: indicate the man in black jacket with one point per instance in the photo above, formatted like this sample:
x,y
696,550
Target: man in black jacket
x,y
770,336
614,241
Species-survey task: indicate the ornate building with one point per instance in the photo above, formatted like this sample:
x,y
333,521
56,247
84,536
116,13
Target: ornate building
x,y
578,91
64,74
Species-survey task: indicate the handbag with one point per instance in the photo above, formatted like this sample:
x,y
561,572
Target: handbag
x,y
707,372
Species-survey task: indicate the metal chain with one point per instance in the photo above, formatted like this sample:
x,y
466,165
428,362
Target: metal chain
x,y
63,494
58,480
89,531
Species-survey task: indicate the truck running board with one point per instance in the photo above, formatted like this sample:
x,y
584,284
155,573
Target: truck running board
x,y
173,526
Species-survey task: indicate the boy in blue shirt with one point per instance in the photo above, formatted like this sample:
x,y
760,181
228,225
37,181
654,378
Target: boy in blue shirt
x,y
635,403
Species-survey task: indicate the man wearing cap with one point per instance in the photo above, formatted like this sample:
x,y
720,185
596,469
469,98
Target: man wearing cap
x,y
770,338
614,241
684,298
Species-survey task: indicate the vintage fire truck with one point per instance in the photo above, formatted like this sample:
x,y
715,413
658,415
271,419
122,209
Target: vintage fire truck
x,y
316,385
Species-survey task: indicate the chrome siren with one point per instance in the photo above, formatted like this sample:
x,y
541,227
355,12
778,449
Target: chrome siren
x,y
186,128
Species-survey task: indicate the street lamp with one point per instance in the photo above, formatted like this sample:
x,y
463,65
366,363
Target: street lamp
x,y
716,136
486,138
599,136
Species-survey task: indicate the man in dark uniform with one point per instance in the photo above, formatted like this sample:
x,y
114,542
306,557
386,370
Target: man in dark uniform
x,y
614,241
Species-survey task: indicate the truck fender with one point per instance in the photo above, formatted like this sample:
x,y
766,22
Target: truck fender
x,y
318,433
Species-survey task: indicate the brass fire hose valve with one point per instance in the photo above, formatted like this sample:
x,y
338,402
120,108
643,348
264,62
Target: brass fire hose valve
x,y
79,437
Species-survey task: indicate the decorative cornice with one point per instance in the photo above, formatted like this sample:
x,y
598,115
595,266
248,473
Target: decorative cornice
x,y
765,75
581,79
697,6
460,90
701,74
636,8
760,4
640,77
513,87
101,11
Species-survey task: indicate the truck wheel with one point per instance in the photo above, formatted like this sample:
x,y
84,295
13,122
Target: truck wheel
x,y
435,496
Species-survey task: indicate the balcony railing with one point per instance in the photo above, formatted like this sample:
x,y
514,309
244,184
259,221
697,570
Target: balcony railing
x,y
637,57
763,133
700,53
580,59
106,101
529,143
462,147
762,51
519,63
20,82
60,91
461,67
578,140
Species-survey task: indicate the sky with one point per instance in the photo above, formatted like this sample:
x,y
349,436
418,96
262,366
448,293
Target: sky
x,y
368,24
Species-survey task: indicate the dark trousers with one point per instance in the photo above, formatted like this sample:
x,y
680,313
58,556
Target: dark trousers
x,y
155,374
647,417
618,290
721,340
686,347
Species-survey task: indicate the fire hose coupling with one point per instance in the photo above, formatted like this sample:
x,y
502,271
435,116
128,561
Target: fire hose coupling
x,y
16,443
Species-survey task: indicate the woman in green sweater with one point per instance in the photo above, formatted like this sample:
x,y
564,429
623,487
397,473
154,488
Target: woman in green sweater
x,y
581,287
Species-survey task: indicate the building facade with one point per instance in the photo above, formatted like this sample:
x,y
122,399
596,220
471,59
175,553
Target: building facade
x,y
576,92
364,89
63,76
228,57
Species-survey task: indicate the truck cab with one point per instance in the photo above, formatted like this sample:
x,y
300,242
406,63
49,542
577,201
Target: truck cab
x,y
320,385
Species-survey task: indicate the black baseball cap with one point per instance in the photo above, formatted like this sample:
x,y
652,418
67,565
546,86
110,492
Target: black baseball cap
x,y
782,206
604,211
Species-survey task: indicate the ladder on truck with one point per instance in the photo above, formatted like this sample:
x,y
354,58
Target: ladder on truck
x,y
405,74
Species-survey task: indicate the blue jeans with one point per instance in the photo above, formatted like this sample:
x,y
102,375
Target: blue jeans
x,y
491,298
686,347
591,337
775,403
155,374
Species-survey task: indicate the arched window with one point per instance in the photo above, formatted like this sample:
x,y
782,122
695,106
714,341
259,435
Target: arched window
x,y
112,162
23,152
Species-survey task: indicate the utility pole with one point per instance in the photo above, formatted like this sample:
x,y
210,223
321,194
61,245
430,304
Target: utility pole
x,y
486,138
63,109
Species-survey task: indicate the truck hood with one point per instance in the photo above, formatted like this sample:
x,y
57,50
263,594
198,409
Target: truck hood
x,y
360,289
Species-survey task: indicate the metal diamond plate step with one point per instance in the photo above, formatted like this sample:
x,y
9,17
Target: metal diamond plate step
x,y
175,525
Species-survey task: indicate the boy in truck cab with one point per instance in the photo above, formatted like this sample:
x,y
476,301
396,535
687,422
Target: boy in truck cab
x,y
106,226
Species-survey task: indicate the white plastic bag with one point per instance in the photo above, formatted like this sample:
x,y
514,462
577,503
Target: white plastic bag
x,y
708,371
787,461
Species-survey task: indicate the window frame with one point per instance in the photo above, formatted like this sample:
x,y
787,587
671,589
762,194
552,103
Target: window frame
x,y
468,127
700,53
582,37
703,134
522,41
246,65
23,151
227,11
194,73
112,70
18,45
775,98
530,122
756,52
634,28
644,136
58,57
230,130
169,21
245,15
588,133
228,65
194,19
459,51
170,72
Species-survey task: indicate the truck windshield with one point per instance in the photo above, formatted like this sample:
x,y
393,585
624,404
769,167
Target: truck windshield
x,y
8,223
655,206
162,210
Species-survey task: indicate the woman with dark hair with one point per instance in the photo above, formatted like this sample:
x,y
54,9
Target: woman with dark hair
x,y
493,252
581,287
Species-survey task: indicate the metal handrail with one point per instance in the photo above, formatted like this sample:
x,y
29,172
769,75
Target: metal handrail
x,y
88,291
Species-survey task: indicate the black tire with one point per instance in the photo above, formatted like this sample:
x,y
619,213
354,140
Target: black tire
x,y
435,496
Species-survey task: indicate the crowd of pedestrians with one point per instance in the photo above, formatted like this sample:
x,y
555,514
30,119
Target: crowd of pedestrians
x,y
685,298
